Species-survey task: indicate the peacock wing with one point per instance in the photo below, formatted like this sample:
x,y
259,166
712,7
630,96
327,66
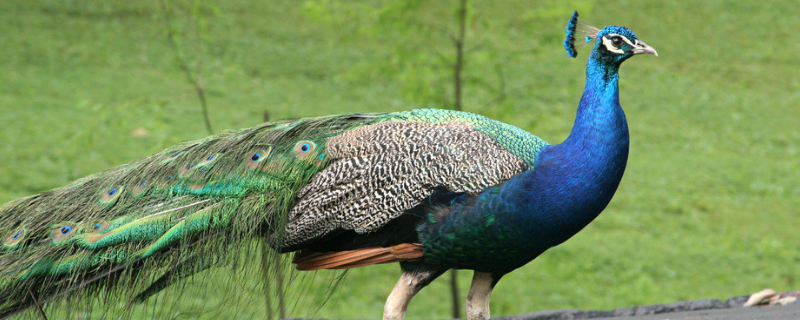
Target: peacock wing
x,y
378,171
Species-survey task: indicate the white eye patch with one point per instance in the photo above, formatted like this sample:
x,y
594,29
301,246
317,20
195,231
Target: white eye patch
x,y
610,45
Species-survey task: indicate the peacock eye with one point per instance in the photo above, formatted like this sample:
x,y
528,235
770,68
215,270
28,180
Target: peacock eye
x,y
110,195
257,158
16,235
304,148
97,226
66,229
616,41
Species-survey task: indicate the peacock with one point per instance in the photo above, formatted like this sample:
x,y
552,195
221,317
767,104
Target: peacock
x,y
430,189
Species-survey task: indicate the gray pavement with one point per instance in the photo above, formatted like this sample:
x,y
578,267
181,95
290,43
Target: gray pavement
x,y
707,309
788,312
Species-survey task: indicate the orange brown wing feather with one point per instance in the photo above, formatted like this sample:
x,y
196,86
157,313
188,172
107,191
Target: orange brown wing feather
x,y
310,260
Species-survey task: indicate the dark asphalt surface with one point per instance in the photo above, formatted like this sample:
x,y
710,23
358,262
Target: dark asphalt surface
x,y
708,309
788,312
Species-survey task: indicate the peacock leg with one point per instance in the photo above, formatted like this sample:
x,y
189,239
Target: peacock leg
x,y
411,281
478,298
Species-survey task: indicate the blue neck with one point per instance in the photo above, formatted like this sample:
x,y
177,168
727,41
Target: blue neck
x,y
600,121
575,180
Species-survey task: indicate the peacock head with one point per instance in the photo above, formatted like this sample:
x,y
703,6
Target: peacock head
x,y
613,44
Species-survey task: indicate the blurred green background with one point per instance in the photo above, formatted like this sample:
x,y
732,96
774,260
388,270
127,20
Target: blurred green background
x,y
707,209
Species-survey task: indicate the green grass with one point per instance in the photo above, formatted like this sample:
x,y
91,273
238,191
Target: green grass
x,y
707,209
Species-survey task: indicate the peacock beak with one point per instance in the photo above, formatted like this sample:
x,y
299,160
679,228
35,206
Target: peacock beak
x,y
641,47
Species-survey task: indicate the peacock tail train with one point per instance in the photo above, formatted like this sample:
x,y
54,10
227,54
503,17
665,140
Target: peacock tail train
x,y
139,227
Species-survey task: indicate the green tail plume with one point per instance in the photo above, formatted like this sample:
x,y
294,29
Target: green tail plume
x,y
135,229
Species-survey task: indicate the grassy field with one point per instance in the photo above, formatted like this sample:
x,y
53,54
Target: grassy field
x,y
708,207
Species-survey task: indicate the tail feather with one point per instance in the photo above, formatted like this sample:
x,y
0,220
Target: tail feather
x,y
134,230
182,270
